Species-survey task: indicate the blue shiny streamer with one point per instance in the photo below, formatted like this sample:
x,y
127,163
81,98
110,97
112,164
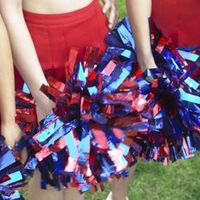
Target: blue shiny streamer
x,y
118,76
12,169
184,96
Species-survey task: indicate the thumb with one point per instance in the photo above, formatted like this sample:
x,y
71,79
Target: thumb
x,y
106,6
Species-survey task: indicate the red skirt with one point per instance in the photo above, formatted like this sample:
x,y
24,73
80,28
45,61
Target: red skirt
x,y
55,34
179,19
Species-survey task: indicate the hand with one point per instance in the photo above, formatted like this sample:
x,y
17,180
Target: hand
x,y
146,62
110,6
11,132
44,106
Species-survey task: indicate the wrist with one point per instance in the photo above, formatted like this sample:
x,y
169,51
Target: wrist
x,y
146,61
5,125
41,98
38,95
8,120
35,89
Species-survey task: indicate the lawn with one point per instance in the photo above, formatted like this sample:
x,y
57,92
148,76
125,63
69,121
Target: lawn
x,y
122,8
152,181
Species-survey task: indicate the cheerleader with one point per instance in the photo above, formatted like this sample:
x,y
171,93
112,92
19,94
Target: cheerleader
x,y
178,20
42,33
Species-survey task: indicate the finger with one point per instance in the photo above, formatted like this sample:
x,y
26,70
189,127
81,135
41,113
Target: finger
x,y
112,18
16,153
106,6
24,156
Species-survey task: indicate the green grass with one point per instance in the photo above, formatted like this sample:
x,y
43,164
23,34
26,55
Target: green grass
x,y
122,8
153,181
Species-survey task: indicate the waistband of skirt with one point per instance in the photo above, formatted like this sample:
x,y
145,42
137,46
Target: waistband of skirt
x,y
69,18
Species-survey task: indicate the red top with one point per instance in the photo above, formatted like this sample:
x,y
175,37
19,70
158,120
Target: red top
x,y
179,19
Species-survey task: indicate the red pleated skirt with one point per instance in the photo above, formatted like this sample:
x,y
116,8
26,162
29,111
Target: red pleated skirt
x,y
179,19
54,35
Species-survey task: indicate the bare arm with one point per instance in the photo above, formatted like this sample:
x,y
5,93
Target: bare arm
x,y
24,53
7,94
139,12
7,101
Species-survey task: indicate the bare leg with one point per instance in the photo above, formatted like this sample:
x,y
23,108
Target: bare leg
x,y
35,193
120,187
72,193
